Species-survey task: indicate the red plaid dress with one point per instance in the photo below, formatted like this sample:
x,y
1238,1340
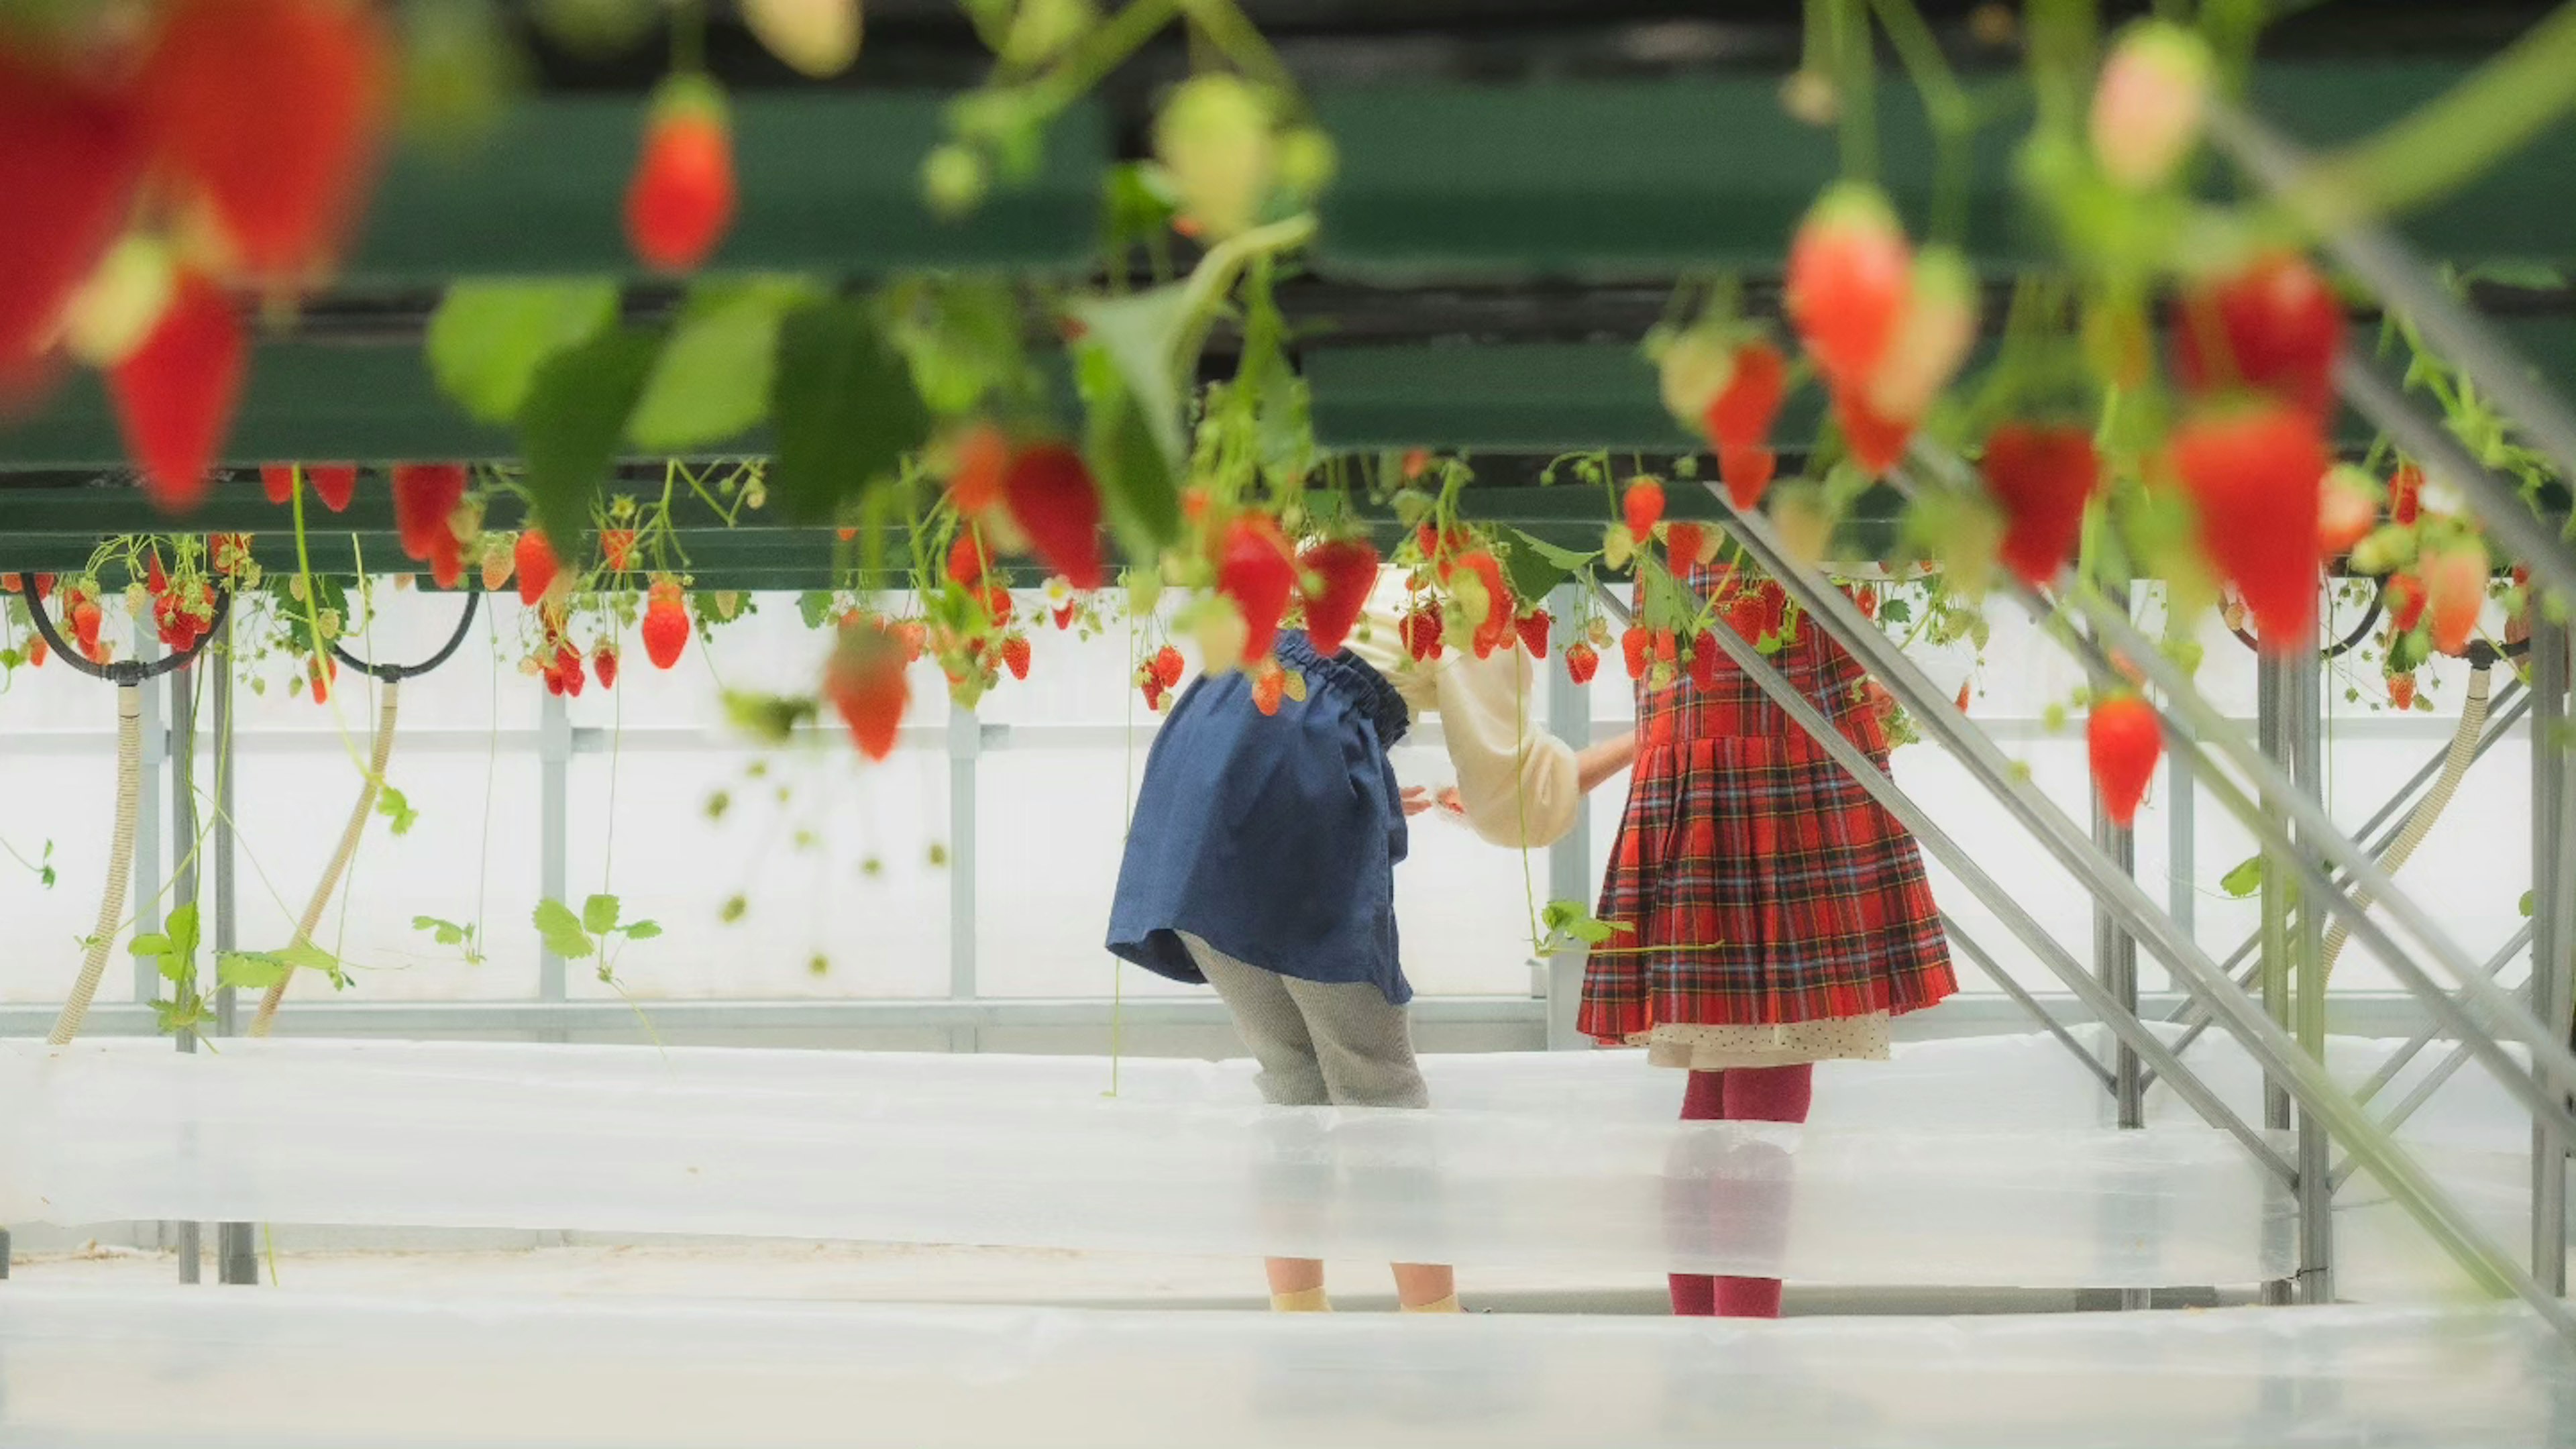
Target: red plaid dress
x,y
1763,884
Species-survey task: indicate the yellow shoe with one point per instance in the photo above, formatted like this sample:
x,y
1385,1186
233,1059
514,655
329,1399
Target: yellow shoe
x,y
1306,1300
1443,1305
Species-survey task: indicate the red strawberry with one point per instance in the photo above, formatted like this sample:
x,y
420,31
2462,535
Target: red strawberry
x,y
447,561
2123,741
322,671
666,625
44,587
680,201
2406,494
1533,628
1877,443
1421,631
176,391
1634,643
1167,666
156,580
1746,471
2406,600
866,683
1740,415
1933,335
2273,324
982,457
38,651
271,113
1643,506
1053,499
617,546
1345,571
2401,691
1581,662
2455,579
1064,616
72,159
1961,703
1849,273
2041,476
425,499
1015,654
1495,630
1703,663
2347,507
277,480
334,483
603,662
2252,472
999,607
568,664
1152,688
1683,545
535,558
1865,598
1269,686
966,558
1252,568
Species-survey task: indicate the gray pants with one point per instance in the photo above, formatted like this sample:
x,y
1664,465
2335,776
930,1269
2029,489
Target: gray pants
x,y
1319,1043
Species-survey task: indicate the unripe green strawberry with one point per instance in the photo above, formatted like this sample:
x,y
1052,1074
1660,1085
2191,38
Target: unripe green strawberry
x,y
2149,104
1214,138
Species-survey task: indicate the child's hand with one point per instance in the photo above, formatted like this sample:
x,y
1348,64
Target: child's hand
x,y
1416,799
1450,802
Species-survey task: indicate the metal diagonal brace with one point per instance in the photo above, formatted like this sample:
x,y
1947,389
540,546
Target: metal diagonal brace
x,y
2271,1047
2552,1067
1915,818
2498,726
1875,781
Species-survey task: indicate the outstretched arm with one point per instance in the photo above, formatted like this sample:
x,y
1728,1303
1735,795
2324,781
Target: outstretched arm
x,y
1601,759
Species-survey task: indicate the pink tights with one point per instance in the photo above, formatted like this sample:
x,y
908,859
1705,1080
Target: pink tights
x,y
1741,1094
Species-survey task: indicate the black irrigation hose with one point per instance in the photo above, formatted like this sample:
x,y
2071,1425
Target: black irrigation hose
x,y
397,673
118,671
2350,641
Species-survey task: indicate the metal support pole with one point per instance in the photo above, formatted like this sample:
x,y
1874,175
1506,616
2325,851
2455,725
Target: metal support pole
x,y
2182,836
234,1261
2022,998
965,751
2272,731
2553,914
147,816
2304,696
554,835
1569,860
182,684
2115,962
2459,1235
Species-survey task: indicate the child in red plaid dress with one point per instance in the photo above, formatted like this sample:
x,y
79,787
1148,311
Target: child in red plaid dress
x,y
1777,916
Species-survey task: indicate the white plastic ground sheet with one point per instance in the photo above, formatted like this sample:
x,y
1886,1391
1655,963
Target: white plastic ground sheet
x,y
204,1368
1962,1162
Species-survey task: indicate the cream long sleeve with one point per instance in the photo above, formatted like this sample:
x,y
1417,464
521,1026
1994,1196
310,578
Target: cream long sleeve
x,y
1517,783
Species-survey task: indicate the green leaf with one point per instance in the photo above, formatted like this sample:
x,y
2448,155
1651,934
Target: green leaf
x,y
1137,484
844,407
306,956
2525,907
1140,335
712,380
487,339
1566,559
643,931
599,915
814,606
2245,879
1534,567
395,806
151,943
562,931
570,424
251,970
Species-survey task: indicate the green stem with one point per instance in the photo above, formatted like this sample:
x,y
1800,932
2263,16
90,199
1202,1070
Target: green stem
x,y
2062,34
2451,140
1214,276
1099,53
1224,24
1855,67
1946,105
